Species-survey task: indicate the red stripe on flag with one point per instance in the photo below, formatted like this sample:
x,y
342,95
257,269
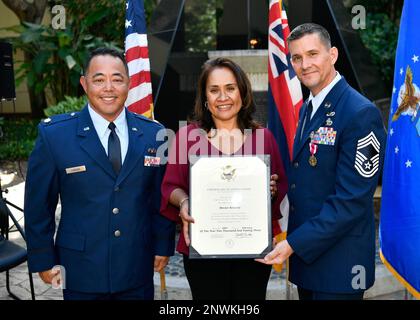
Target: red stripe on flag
x,y
139,78
136,53
142,105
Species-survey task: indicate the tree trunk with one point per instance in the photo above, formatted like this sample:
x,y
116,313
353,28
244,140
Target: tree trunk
x,y
31,12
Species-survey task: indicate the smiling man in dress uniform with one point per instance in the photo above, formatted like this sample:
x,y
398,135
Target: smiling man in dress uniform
x,y
102,164
337,159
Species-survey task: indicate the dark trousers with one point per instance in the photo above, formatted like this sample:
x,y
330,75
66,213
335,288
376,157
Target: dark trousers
x,y
227,279
145,292
316,295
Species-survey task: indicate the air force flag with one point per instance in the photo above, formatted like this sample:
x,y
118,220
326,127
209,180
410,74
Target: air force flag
x,y
400,209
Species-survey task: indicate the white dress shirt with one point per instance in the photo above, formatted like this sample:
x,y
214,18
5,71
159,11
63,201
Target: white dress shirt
x,y
317,100
101,127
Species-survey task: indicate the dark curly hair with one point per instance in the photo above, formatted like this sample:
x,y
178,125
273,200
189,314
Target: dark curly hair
x,y
202,116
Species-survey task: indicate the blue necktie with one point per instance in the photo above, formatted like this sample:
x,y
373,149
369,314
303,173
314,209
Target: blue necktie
x,y
114,148
307,118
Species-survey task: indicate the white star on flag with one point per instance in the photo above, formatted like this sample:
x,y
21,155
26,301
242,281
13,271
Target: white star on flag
x,y
391,132
126,5
401,71
127,24
415,58
394,90
397,149
408,164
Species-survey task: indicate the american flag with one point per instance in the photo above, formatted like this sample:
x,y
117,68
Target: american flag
x,y
284,97
140,99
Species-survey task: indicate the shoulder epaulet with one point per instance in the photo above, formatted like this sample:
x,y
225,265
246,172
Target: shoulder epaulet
x,y
139,116
59,118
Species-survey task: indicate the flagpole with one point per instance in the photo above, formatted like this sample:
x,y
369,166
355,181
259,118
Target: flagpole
x,y
287,281
163,290
249,23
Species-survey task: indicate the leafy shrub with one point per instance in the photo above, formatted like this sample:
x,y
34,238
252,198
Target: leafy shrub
x,y
18,138
19,135
56,57
380,38
69,104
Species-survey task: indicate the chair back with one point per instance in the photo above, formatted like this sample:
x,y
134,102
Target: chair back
x,y
4,218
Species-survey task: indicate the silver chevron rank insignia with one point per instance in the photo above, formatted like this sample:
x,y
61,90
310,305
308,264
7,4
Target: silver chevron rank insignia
x,y
367,156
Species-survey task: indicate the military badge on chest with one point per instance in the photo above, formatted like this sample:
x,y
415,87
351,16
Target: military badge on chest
x,y
323,136
313,148
151,161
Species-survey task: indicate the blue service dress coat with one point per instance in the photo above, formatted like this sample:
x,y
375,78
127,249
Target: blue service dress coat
x,y
331,222
110,227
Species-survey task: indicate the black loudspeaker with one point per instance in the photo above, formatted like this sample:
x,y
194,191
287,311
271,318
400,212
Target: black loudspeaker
x,y
7,79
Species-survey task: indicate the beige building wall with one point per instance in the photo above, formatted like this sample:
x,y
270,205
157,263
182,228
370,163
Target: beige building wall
x,y
22,103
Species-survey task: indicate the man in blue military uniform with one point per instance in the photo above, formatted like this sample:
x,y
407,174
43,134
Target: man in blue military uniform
x,y
102,164
337,158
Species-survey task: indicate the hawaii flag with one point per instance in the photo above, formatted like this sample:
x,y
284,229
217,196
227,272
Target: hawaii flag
x,y
139,98
284,95
400,208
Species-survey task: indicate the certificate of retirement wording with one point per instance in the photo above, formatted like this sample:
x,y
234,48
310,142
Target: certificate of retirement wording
x,y
231,207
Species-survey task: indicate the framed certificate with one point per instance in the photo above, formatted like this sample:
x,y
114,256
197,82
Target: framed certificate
x,y
230,202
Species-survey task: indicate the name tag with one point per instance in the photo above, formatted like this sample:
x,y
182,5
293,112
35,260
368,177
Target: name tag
x,y
75,169
151,161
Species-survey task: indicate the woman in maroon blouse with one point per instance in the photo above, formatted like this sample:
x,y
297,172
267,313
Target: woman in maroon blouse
x,y
222,124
